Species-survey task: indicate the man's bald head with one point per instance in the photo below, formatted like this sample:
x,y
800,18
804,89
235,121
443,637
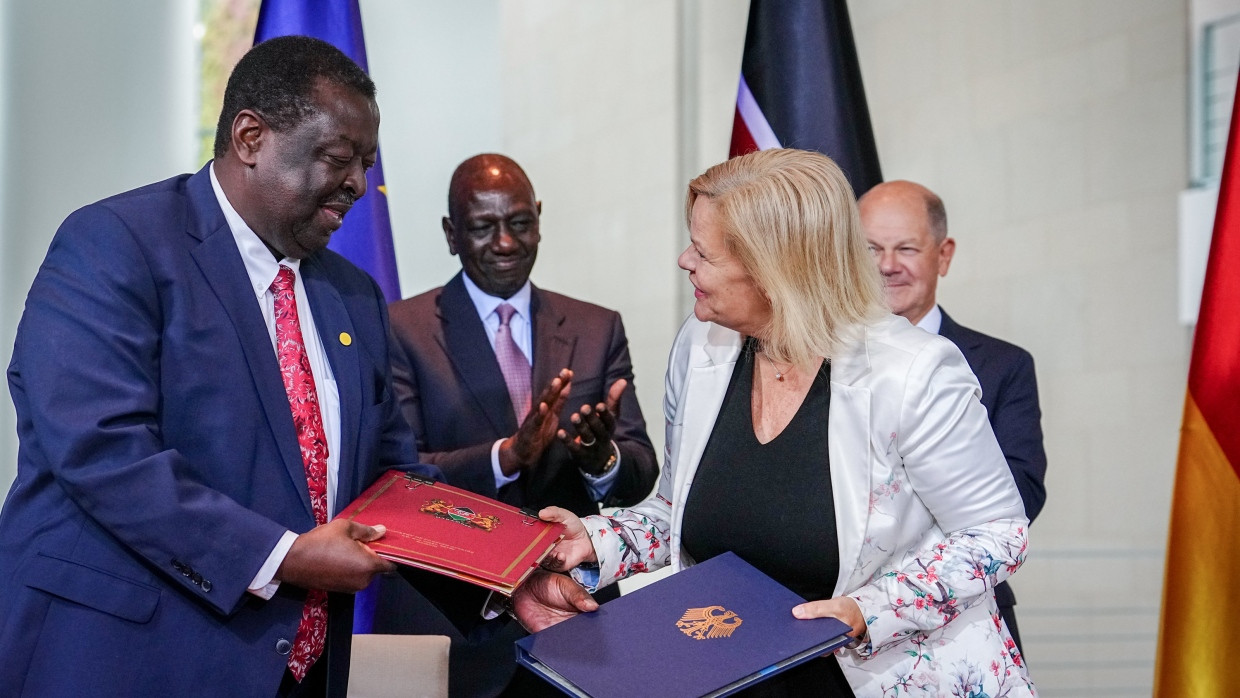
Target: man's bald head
x,y
492,223
904,192
906,227
484,172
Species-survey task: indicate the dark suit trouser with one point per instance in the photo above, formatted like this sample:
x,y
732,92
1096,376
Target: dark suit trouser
x,y
1008,613
314,685
1005,599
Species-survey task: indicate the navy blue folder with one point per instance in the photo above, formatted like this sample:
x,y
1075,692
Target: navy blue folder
x,y
709,630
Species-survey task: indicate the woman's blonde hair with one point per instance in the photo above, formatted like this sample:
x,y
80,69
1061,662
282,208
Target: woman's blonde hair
x,y
790,218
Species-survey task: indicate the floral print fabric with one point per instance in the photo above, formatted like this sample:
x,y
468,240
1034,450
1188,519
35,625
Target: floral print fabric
x,y
929,516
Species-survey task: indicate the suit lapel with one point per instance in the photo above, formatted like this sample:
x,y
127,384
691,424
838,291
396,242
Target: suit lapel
x,y
849,448
848,425
970,344
950,329
331,319
466,344
706,384
220,262
553,347
553,350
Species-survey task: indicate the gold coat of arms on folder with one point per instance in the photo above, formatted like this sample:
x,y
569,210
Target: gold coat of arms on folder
x,y
709,622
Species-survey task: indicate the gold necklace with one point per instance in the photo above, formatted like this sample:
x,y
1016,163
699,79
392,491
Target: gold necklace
x,y
779,375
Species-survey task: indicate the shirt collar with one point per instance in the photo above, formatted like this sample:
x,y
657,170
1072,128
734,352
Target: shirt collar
x,y
260,265
932,321
486,304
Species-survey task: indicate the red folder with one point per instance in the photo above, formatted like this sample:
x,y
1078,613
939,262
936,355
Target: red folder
x,y
452,531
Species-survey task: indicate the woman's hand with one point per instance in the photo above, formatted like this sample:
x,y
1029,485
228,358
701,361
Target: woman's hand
x,y
575,548
841,607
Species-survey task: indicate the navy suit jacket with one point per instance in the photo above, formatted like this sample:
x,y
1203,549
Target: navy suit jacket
x,y
1010,395
452,392
158,461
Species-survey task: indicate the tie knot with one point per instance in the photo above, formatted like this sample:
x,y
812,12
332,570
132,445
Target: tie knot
x,y
284,280
505,312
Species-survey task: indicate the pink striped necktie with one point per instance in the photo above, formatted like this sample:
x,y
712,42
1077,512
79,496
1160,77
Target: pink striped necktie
x,y
303,399
512,363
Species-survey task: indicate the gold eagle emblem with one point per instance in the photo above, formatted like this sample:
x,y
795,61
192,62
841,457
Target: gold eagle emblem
x,y
708,623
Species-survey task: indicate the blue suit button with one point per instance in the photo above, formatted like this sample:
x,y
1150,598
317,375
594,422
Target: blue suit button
x,y
284,646
206,585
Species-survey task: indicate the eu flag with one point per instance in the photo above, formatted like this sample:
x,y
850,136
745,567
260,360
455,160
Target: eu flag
x,y
365,238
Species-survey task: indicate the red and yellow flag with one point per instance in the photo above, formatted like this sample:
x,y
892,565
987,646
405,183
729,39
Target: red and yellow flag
x,y
1199,633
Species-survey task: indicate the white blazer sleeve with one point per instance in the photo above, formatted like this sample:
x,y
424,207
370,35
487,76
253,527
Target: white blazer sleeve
x,y
638,539
955,467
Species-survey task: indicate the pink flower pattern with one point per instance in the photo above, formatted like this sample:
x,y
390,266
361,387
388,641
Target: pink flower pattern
x,y
928,593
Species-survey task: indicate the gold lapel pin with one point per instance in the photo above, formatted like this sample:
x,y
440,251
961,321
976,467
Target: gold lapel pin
x,y
345,339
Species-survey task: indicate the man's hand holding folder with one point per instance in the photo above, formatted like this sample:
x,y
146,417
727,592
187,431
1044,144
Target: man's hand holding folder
x,y
448,530
547,598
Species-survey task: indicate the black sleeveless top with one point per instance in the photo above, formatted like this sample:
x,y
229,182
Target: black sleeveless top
x,y
772,505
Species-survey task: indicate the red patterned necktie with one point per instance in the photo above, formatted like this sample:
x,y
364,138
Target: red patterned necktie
x,y
512,363
304,402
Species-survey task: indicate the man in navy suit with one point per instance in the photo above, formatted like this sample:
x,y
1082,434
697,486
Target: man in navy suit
x,y
578,442
162,534
906,226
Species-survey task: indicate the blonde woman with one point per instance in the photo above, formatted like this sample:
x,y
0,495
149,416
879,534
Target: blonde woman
x,y
829,443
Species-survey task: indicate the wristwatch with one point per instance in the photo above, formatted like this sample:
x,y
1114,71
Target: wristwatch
x,y
611,460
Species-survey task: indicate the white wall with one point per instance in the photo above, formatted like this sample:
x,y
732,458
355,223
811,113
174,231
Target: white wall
x,y
97,98
1056,134
586,97
437,66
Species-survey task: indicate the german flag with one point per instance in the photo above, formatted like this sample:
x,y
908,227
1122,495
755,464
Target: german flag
x,y
1199,633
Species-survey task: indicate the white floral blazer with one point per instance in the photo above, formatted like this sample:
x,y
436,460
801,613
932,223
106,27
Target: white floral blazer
x,y
928,517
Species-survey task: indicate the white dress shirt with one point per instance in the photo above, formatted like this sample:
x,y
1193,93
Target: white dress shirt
x,y
932,320
262,269
521,327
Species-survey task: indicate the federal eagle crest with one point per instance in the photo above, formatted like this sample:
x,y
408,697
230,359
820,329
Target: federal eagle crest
x,y
708,623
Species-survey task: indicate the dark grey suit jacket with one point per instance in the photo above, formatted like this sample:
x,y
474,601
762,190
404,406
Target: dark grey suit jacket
x,y
451,391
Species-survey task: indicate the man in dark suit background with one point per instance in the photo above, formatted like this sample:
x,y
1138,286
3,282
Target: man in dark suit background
x,y
906,226
199,386
564,429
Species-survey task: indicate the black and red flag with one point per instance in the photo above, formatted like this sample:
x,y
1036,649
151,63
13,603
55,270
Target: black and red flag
x,y
801,87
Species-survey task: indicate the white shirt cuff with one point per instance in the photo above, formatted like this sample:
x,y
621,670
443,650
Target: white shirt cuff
x,y
500,478
265,584
587,576
495,606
